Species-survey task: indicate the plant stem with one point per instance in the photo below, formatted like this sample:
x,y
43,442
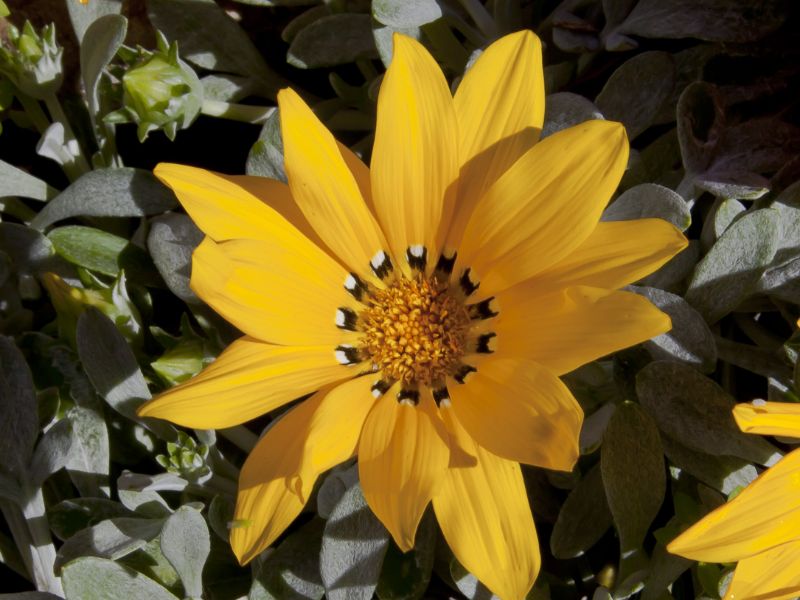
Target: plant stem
x,y
240,436
237,112
446,44
481,16
34,112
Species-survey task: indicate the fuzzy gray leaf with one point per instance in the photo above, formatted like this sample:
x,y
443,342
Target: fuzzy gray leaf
x,y
90,460
112,368
723,473
632,465
186,544
733,267
650,200
111,539
690,340
121,192
406,13
353,546
209,38
52,452
635,92
565,109
333,40
696,412
583,519
171,241
16,182
101,579
19,426
266,155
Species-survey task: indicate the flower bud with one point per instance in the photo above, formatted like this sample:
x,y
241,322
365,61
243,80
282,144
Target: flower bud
x,y
32,60
70,302
160,91
186,458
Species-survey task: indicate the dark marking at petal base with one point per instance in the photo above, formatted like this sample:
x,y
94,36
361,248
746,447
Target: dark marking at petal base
x,y
417,257
440,395
485,309
355,286
445,265
483,345
380,387
463,372
346,318
381,265
347,355
409,394
467,285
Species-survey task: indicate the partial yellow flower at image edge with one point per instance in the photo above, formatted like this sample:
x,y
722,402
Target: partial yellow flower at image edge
x,y
759,527
429,302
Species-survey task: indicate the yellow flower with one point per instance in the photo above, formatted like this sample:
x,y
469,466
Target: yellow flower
x,y
759,528
431,302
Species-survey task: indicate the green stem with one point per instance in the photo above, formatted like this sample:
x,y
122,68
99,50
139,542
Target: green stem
x,y
240,436
367,69
237,112
212,487
477,11
508,15
79,164
34,111
446,44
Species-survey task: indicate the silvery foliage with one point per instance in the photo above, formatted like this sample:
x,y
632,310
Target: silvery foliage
x,y
99,502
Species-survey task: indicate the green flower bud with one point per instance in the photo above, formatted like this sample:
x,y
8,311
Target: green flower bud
x,y
70,302
160,91
185,355
186,458
32,60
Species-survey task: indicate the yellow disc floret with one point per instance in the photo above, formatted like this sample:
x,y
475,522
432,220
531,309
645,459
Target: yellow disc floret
x,y
415,331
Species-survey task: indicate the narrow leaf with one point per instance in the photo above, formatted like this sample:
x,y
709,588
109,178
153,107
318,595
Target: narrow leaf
x,y
19,425
632,465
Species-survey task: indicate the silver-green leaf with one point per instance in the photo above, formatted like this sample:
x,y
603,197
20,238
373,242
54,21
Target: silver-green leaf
x,y
101,579
186,544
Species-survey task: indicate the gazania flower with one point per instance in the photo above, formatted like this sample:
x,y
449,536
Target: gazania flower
x,y
430,302
759,528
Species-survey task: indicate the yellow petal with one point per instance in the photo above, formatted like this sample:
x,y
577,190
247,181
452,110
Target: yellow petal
x,y
401,457
565,330
324,187
500,109
520,411
544,206
768,418
250,378
764,515
275,293
278,476
771,575
226,210
360,172
415,156
278,196
614,255
485,517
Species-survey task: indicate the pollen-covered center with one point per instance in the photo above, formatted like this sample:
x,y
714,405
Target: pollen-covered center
x,y
415,331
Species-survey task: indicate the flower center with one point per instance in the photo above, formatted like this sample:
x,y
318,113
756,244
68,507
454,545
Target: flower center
x,y
415,331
